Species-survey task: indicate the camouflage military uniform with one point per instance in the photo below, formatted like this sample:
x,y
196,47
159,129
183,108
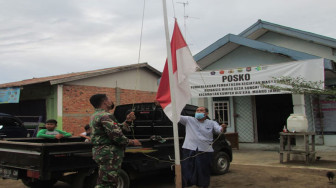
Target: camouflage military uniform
x,y
108,148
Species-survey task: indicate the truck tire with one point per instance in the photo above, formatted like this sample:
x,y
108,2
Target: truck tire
x,y
91,180
124,181
37,183
220,163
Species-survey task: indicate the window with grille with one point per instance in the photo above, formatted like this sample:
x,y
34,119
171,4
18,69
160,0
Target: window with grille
x,y
221,112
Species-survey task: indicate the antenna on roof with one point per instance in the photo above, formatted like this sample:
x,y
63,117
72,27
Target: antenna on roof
x,y
185,18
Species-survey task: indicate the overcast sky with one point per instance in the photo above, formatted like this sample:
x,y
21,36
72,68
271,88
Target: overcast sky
x,y
49,37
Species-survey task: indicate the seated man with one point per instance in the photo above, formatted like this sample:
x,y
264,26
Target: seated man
x,y
51,131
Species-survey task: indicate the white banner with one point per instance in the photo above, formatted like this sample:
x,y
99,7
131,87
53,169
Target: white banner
x,y
248,80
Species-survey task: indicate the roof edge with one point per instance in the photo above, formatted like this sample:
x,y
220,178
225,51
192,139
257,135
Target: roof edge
x,y
305,35
117,69
57,79
297,55
251,29
208,50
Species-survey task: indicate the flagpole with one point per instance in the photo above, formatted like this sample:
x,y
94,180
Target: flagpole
x,y
178,178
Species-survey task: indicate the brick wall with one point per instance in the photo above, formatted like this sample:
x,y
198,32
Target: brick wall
x,y
77,108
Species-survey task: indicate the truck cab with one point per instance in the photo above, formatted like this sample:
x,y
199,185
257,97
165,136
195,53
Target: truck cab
x,y
152,123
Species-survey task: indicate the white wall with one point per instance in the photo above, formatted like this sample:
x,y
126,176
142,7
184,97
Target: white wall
x,y
330,140
298,45
251,57
307,47
140,79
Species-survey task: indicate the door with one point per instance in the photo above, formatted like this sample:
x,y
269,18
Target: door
x,y
26,108
272,114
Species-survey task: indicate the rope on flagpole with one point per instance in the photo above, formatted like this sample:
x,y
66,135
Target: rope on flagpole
x,y
139,54
173,8
160,160
137,70
135,90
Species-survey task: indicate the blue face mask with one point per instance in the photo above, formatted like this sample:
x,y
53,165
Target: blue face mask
x,y
199,115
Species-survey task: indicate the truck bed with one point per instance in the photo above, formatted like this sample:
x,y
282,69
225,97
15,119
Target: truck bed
x,y
36,155
50,156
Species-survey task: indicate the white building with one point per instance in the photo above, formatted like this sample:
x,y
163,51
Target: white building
x,y
260,118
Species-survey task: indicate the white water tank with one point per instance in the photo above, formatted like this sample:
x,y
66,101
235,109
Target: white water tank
x,y
297,123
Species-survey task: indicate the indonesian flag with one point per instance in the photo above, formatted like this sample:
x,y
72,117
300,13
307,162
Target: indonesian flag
x,y
183,65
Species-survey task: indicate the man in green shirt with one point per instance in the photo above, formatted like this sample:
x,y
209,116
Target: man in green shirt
x,y
51,131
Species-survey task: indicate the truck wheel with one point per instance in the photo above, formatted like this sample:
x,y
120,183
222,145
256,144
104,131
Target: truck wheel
x,y
91,180
37,183
123,180
220,163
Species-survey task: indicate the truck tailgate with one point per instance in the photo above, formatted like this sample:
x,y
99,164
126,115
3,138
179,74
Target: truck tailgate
x,y
20,155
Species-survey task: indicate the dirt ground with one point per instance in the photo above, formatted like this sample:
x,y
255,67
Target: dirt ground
x,y
258,168
266,177
239,176
242,176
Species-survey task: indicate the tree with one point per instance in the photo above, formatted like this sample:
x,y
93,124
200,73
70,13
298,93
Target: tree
x,y
299,85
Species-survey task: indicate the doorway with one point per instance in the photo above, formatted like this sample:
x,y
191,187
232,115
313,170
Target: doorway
x,y
272,114
26,108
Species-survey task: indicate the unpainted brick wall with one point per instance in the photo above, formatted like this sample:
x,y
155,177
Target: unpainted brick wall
x,y
77,108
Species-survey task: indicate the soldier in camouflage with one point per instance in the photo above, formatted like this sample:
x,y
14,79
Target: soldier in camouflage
x,y
108,141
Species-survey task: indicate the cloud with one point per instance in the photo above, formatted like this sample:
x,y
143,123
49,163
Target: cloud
x,y
48,37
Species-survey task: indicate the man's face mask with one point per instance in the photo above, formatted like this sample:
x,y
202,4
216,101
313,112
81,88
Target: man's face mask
x,y
199,115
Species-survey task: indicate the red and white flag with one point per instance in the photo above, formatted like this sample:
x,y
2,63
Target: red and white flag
x,y
183,65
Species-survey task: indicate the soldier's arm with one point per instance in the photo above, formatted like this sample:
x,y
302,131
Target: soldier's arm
x,y
114,131
128,122
124,126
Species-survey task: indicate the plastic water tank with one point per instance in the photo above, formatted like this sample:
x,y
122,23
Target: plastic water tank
x,y
297,123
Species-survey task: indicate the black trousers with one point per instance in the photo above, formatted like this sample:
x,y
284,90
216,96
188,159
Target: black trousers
x,y
196,170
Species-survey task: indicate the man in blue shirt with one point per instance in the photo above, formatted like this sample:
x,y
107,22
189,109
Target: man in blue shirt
x,y
197,148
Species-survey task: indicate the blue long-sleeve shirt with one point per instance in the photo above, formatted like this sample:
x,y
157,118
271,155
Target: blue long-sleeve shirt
x,y
199,135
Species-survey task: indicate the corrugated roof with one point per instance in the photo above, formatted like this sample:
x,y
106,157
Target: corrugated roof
x,y
58,79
